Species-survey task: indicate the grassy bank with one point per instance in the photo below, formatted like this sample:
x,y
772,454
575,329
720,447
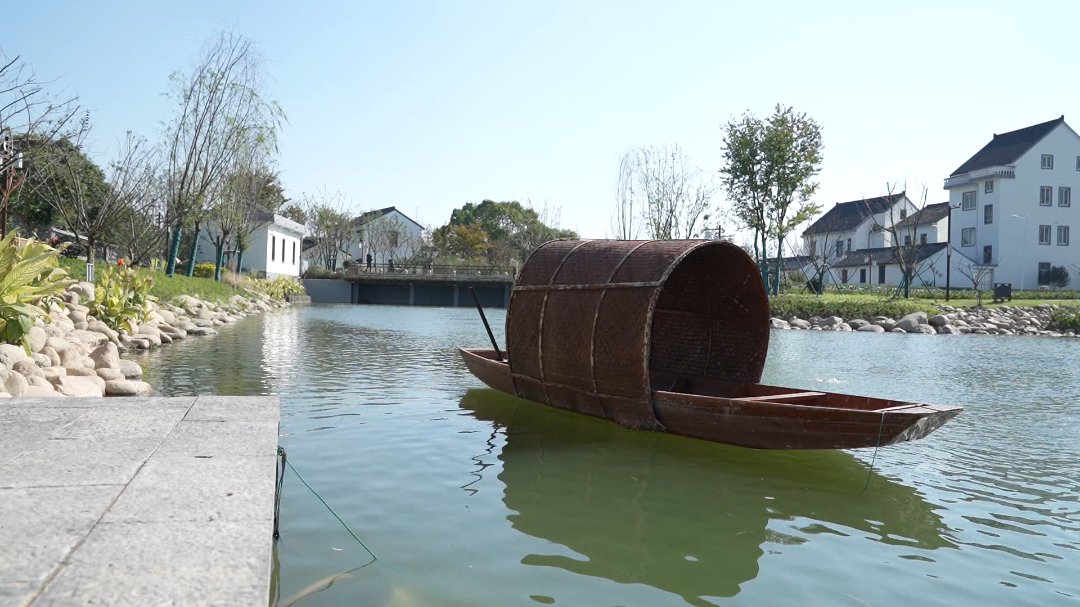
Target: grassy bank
x,y
166,288
866,306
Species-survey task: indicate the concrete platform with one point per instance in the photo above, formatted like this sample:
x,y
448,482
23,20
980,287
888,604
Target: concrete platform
x,y
137,501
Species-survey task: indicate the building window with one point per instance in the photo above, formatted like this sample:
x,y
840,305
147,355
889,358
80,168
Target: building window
x,y
967,237
1046,195
988,187
1044,273
881,274
294,253
1047,161
1063,236
839,248
969,200
907,240
1064,197
843,275
922,238
282,250
273,247
393,238
988,213
862,275
848,245
988,254
1044,234
903,214
1078,163
811,247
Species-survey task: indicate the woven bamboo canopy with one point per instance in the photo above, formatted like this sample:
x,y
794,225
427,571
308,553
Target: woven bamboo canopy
x,y
595,325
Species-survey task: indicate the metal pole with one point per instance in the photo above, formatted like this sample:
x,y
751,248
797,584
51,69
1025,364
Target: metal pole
x,y
948,256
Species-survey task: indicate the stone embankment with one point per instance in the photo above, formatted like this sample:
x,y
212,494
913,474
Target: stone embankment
x,y
75,354
1005,320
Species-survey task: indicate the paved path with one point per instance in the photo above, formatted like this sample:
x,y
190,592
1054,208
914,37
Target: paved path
x,y
137,501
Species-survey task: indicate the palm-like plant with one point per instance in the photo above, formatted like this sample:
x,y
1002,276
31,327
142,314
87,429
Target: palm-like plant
x,y
32,279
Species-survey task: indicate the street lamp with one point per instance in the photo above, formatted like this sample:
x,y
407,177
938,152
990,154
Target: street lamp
x,y
948,252
11,160
1023,248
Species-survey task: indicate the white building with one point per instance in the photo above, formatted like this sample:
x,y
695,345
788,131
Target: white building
x,y
387,234
1012,204
273,246
927,226
859,224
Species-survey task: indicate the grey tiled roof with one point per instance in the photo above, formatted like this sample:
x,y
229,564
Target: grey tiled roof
x,y
1006,148
848,215
929,214
889,255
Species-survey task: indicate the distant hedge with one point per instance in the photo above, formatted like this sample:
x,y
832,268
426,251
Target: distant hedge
x,y
844,306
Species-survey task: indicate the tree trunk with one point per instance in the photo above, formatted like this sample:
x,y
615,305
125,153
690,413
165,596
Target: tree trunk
x,y
219,259
174,251
194,251
239,261
91,254
779,262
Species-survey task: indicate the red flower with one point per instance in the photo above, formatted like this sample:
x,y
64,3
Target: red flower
x,y
120,262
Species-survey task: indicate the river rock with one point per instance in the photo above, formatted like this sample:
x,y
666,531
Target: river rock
x,y
154,338
201,322
11,354
40,392
938,320
36,337
779,323
167,317
798,323
210,331
54,357
80,386
868,328
70,357
39,381
857,323
205,314
27,368
831,321
97,326
53,374
843,327
125,387
41,360
80,372
85,290
77,316
897,330
15,384
109,374
925,329
909,322
948,330
106,356
130,369
90,338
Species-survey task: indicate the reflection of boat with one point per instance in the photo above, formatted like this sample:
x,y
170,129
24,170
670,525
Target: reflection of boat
x,y
686,517
672,336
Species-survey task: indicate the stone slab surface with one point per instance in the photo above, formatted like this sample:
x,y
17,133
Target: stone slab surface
x,y
137,501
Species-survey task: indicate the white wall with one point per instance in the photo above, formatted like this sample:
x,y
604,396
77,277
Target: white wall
x,y
409,237
1015,242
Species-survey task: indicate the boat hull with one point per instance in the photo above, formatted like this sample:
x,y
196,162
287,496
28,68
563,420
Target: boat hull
x,y
761,416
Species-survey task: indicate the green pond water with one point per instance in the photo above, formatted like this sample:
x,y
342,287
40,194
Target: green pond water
x,y
468,497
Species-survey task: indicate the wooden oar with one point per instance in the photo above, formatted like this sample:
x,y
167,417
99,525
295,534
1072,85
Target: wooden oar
x,y
491,336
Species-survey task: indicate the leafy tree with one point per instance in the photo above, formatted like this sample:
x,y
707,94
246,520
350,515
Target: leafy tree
x,y
294,212
768,171
497,232
331,228
1058,276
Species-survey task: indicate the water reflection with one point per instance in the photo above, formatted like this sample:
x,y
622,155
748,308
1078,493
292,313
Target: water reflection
x,y
617,498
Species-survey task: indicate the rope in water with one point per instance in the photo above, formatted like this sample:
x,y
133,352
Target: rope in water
x,y
284,459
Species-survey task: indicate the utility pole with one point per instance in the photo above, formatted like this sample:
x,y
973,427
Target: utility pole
x,y
10,162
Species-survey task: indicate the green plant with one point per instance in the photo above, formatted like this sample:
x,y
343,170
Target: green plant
x,y
204,270
846,306
122,297
31,280
280,287
1065,320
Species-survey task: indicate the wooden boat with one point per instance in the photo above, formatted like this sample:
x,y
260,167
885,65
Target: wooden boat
x,y
672,336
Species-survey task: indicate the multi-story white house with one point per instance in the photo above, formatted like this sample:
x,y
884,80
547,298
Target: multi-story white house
x,y
387,234
859,224
927,226
273,246
1011,202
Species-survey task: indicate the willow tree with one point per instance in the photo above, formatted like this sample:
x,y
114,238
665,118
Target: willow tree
x,y
221,103
768,172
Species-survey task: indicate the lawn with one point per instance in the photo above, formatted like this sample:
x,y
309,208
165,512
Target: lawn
x,y
165,287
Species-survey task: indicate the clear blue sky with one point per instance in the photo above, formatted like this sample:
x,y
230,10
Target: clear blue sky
x,y
428,105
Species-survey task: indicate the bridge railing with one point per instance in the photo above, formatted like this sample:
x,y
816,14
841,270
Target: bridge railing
x,y
431,271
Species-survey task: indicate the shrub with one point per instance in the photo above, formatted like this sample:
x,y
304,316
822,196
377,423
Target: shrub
x,y
122,297
280,287
30,280
844,306
1065,320
1058,276
204,270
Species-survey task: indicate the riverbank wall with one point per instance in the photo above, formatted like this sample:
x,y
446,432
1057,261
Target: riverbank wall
x,y
1004,320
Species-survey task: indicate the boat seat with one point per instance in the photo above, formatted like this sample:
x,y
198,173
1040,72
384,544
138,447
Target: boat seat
x,y
785,397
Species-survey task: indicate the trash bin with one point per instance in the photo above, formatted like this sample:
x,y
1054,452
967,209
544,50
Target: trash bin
x,y
1002,291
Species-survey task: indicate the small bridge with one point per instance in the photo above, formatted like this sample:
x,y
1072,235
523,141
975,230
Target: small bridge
x,y
430,285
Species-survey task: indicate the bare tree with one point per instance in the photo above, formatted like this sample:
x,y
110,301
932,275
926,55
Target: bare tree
x,y
976,273
70,184
672,197
331,226
221,108
26,112
237,213
902,229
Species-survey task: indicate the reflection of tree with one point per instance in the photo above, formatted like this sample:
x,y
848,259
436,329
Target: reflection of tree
x,y
683,516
